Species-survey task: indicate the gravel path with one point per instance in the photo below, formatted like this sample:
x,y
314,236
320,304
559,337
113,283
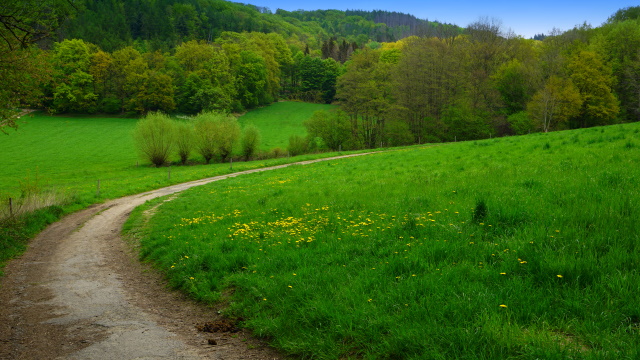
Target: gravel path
x,y
80,293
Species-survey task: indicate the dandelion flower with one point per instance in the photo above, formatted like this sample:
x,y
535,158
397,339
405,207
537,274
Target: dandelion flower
x,y
503,273
560,276
503,305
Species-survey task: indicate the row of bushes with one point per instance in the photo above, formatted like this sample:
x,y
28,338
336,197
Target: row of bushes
x,y
218,137
213,135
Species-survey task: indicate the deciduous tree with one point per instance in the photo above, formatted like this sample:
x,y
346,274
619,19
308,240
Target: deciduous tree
x,y
555,104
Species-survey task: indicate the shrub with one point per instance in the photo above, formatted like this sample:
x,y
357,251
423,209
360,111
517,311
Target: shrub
x,y
333,127
250,141
216,134
184,140
153,137
521,123
297,145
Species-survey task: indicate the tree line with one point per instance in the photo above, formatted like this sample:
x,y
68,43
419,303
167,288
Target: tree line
x,y
237,71
486,83
481,83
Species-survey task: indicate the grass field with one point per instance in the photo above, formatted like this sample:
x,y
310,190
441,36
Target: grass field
x,y
281,120
73,153
511,248
54,160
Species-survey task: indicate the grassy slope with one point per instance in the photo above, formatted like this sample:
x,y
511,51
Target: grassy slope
x,y
281,120
393,256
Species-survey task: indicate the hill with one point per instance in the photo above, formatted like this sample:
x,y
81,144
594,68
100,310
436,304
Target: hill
x,y
520,247
164,24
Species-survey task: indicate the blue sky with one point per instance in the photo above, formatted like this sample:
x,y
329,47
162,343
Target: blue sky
x,y
524,18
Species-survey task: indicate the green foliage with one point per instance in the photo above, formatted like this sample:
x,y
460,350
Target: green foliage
x,y
333,127
594,81
463,250
520,123
73,84
154,138
250,141
184,138
552,106
216,135
298,145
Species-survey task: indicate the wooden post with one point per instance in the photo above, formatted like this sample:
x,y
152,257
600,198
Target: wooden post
x,y
10,207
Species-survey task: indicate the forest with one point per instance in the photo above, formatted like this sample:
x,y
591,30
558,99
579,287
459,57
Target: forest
x,y
397,79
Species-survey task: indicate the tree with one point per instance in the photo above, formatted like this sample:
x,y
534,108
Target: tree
x,y
555,104
365,93
516,83
154,137
23,69
25,22
333,127
423,78
594,82
73,89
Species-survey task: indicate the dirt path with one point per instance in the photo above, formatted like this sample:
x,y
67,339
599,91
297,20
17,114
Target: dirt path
x,y
80,293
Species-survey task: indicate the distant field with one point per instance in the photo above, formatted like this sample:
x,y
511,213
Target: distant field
x,y
512,248
77,161
281,120
73,153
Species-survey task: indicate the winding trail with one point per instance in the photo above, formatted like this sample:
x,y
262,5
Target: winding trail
x,y
79,292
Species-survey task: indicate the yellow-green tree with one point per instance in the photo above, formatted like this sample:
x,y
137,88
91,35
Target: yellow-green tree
x,y
557,102
73,88
594,82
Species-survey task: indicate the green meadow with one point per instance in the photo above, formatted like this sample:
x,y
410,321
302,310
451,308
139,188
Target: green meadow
x,y
511,248
73,153
73,161
279,121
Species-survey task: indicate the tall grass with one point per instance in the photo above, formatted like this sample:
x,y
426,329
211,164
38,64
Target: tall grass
x,y
511,248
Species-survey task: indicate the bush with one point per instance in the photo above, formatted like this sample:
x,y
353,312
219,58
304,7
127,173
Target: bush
x,y
297,145
250,141
333,127
520,123
184,139
216,134
153,137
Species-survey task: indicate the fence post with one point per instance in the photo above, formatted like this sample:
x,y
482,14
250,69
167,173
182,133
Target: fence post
x,y
10,207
